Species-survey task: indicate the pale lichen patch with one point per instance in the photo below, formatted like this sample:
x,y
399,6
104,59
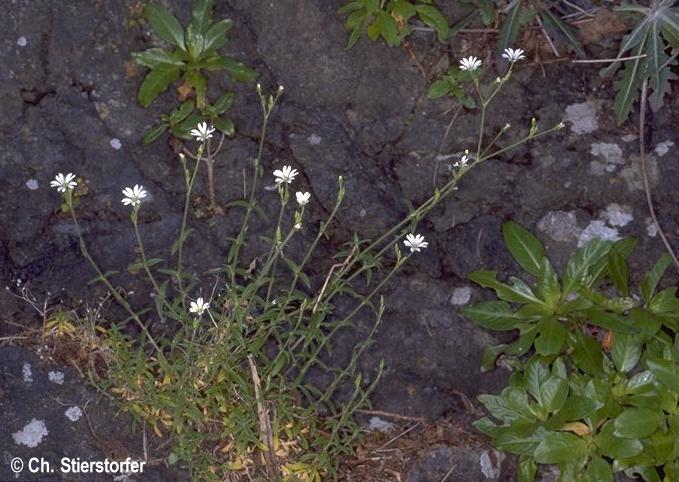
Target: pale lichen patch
x,y
31,435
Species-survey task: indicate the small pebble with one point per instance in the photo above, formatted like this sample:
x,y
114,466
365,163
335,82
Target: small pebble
x,y
32,184
461,296
22,42
31,435
115,143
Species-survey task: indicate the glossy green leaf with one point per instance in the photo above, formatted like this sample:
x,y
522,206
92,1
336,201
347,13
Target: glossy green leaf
x,y
521,439
526,470
611,321
165,24
388,28
551,337
579,265
560,447
665,371
598,470
553,393
637,423
665,302
433,17
586,354
626,351
182,112
156,82
616,447
526,249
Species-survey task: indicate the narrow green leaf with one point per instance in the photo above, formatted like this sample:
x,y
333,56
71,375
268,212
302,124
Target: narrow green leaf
x,y
165,24
612,321
154,133
557,26
629,82
617,268
237,70
215,37
652,278
201,15
494,315
526,249
510,27
585,258
153,57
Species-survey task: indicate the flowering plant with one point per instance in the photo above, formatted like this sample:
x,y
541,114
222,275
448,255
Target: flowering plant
x,y
226,370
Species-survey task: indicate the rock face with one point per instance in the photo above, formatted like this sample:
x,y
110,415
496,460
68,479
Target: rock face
x,y
68,103
51,415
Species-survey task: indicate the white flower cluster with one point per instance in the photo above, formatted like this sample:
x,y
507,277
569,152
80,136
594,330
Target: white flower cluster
x,y
471,63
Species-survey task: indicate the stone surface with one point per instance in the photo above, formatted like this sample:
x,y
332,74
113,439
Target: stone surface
x,y
49,420
68,103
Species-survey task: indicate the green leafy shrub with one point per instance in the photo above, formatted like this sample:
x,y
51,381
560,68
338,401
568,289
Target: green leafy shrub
x,y
595,382
194,49
390,19
656,31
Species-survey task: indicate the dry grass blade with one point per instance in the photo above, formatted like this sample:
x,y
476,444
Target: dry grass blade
x,y
265,432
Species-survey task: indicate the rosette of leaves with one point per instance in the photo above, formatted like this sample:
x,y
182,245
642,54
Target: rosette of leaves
x,y
595,382
390,19
656,32
194,50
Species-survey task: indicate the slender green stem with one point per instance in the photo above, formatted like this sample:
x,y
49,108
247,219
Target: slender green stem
x,y
143,252
116,295
363,302
187,204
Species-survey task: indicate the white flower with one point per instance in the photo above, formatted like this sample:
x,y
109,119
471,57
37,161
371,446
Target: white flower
x,y
415,242
513,55
133,195
64,183
470,64
199,306
202,132
287,174
302,198
464,160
